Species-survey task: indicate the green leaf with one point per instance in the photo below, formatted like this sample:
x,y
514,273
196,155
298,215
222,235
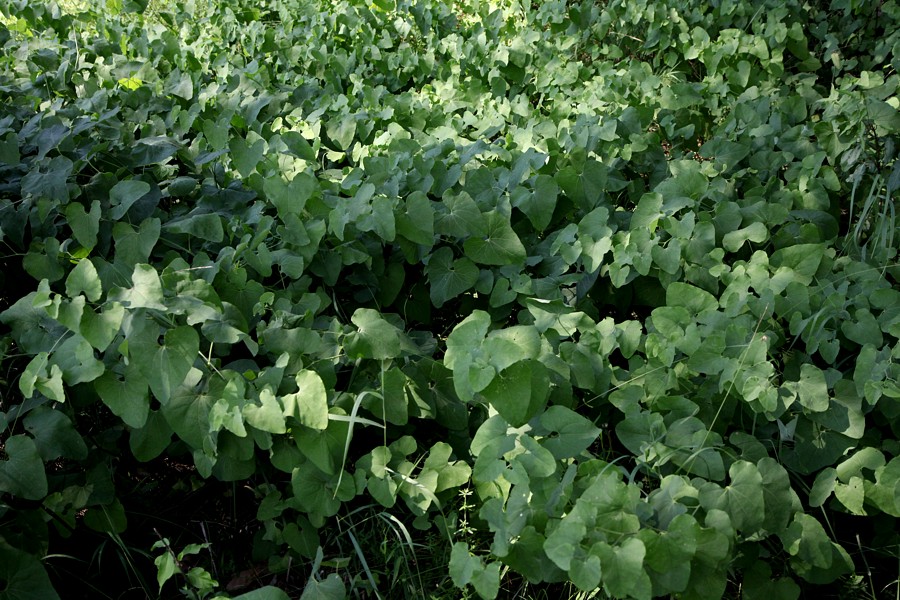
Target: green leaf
x,y
647,213
554,315
468,569
570,433
374,338
152,439
450,473
85,225
807,540
75,358
100,330
165,566
392,405
204,226
487,581
124,194
382,487
84,278
586,184
640,429
349,210
380,219
463,565
182,186
48,181
868,458
780,500
885,492
298,145
226,413
844,414
501,294
22,473
146,290
309,405
538,203
687,185
537,461
498,245
883,115
165,367
69,313
461,217
743,498
759,584
128,399
709,576
107,518
841,565
822,487
9,149
42,260
755,232
187,411
851,495
133,247
694,299
811,390
527,556
585,574
135,6
55,435
725,152
416,223
273,593
302,538
23,575
670,552
216,133
319,494
519,392
449,278
563,542
465,340
342,131
246,155
179,84
290,198
863,329
623,569
36,376
324,448
814,447
268,415
503,347
668,257
801,260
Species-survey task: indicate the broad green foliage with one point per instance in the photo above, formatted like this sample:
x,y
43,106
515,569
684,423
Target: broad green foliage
x,y
623,276
23,575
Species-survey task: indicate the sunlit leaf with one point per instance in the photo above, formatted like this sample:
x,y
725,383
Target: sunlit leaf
x,y
84,278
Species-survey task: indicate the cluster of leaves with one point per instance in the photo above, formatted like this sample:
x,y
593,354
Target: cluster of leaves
x,y
628,272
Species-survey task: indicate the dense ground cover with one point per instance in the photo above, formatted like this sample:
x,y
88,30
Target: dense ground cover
x,y
435,300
